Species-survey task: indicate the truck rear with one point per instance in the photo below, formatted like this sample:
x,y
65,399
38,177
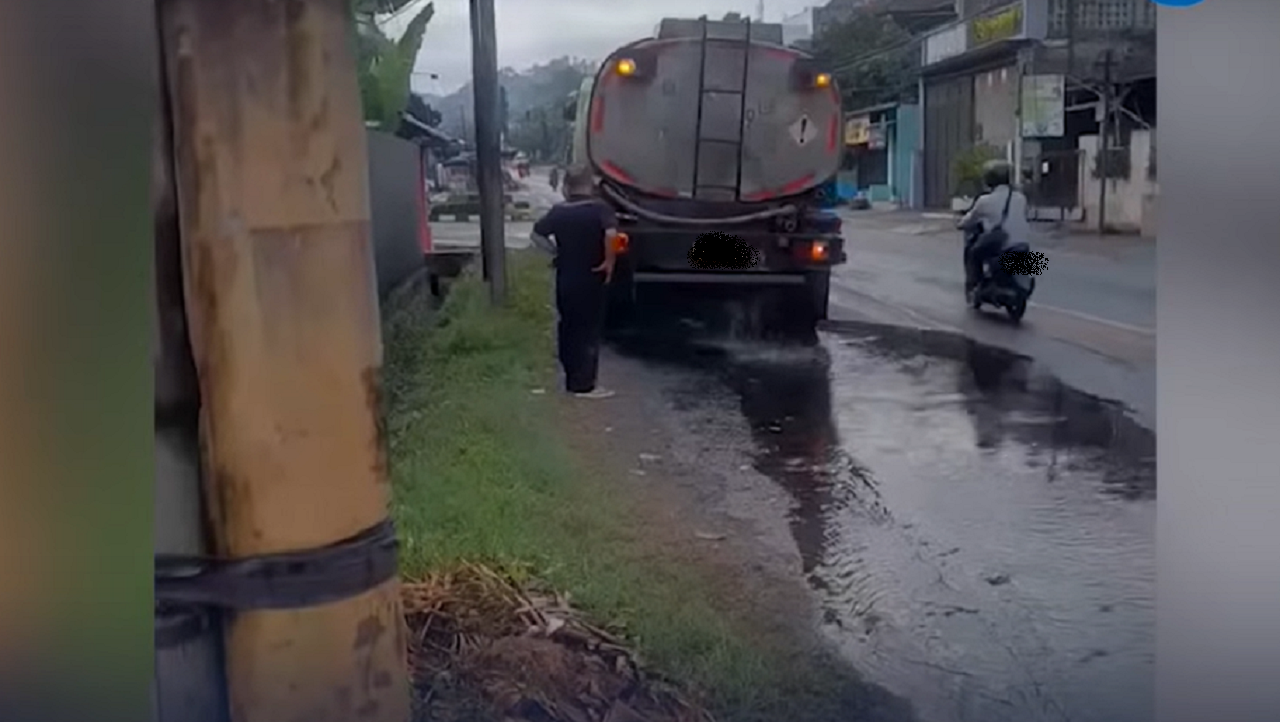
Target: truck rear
x,y
714,143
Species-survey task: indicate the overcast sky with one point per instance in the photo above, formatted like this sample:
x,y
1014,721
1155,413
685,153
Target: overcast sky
x,y
535,31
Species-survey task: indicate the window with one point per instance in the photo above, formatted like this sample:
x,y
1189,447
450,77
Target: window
x,y
1101,15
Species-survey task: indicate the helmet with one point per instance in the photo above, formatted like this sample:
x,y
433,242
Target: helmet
x,y
996,173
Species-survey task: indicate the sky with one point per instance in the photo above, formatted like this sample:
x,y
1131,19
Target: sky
x,y
535,31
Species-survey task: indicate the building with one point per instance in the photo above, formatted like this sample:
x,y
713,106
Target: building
x,y
881,147
435,146
797,29
1015,79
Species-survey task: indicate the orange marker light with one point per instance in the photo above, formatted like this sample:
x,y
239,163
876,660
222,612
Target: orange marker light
x,y
822,80
621,243
626,67
818,251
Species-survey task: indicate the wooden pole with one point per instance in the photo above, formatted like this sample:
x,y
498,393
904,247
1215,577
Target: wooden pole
x,y
273,198
189,685
488,96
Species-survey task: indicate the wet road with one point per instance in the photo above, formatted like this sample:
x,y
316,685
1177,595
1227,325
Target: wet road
x,y
537,192
979,535
974,517
1092,318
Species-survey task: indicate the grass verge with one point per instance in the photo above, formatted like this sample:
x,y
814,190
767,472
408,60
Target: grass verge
x,y
480,475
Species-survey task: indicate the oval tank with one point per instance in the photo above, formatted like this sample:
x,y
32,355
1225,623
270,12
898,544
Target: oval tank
x,y
711,111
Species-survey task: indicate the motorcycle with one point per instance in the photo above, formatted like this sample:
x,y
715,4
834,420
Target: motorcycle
x,y
1002,289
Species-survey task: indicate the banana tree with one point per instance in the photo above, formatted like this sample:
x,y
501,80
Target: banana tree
x,y
386,66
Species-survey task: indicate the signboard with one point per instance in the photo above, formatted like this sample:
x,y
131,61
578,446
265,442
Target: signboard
x,y
803,131
876,137
1003,24
857,130
1042,108
946,44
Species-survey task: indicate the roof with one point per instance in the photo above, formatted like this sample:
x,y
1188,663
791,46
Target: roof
x,y
427,130
880,108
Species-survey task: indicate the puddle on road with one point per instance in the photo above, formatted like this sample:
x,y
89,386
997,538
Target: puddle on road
x,y
980,537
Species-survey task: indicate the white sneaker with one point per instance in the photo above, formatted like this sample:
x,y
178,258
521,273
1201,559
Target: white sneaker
x,y
596,393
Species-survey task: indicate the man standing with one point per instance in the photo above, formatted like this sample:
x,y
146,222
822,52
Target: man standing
x,y
583,228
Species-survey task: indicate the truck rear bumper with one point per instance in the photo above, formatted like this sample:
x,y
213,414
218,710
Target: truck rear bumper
x,y
757,279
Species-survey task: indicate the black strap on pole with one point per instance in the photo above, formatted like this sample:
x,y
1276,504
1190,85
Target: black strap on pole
x,y
188,590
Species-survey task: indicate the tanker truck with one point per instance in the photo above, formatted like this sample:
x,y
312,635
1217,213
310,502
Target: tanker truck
x,y
715,144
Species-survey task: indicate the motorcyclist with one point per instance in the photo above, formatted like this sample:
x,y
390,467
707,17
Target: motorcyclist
x,y
988,212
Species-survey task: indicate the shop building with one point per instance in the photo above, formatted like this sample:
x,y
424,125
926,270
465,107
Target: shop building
x,y
1020,81
881,145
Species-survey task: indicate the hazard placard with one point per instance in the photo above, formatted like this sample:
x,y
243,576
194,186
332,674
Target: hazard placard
x,y
803,131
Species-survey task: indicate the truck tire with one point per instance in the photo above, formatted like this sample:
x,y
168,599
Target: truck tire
x,y
801,307
818,288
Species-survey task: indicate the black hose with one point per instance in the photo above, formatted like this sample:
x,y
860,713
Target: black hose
x,y
647,214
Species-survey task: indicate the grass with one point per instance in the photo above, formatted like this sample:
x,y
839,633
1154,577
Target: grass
x,y
480,475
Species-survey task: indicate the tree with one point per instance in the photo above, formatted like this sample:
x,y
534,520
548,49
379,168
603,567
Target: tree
x,y
386,65
874,59
541,132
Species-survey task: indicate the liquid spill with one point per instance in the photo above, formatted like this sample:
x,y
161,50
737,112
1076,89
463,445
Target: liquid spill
x,y
980,536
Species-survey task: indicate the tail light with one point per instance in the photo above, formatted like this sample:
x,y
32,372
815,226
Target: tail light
x,y
621,242
819,252
816,251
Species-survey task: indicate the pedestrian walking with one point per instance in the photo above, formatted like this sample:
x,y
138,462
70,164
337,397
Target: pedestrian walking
x,y
555,178
580,232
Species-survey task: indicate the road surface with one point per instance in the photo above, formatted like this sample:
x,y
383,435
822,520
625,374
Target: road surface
x,y
1091,320
971,504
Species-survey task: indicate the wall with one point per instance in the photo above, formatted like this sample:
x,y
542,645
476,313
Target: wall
x,y
1130,202
995,103
395,186
906,144
798,27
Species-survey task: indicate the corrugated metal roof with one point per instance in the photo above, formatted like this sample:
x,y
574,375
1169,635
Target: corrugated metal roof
x,y
870,109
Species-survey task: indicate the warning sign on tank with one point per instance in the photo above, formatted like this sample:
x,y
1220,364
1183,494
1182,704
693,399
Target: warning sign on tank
x,y
803,131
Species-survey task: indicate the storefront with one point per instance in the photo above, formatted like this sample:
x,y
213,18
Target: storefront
x,y
970,81
880,145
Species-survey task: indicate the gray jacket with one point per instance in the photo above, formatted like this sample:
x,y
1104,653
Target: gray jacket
x,y
986,212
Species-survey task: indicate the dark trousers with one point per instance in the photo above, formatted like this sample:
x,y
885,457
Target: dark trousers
x,y
976,256
580,303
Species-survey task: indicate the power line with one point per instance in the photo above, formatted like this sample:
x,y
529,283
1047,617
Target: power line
x,y
860,60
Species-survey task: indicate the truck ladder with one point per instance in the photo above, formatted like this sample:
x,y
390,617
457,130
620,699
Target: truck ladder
x,y
721,191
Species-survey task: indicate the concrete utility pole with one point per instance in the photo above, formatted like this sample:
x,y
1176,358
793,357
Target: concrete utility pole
x,y
1071,47
484,73
1104,141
